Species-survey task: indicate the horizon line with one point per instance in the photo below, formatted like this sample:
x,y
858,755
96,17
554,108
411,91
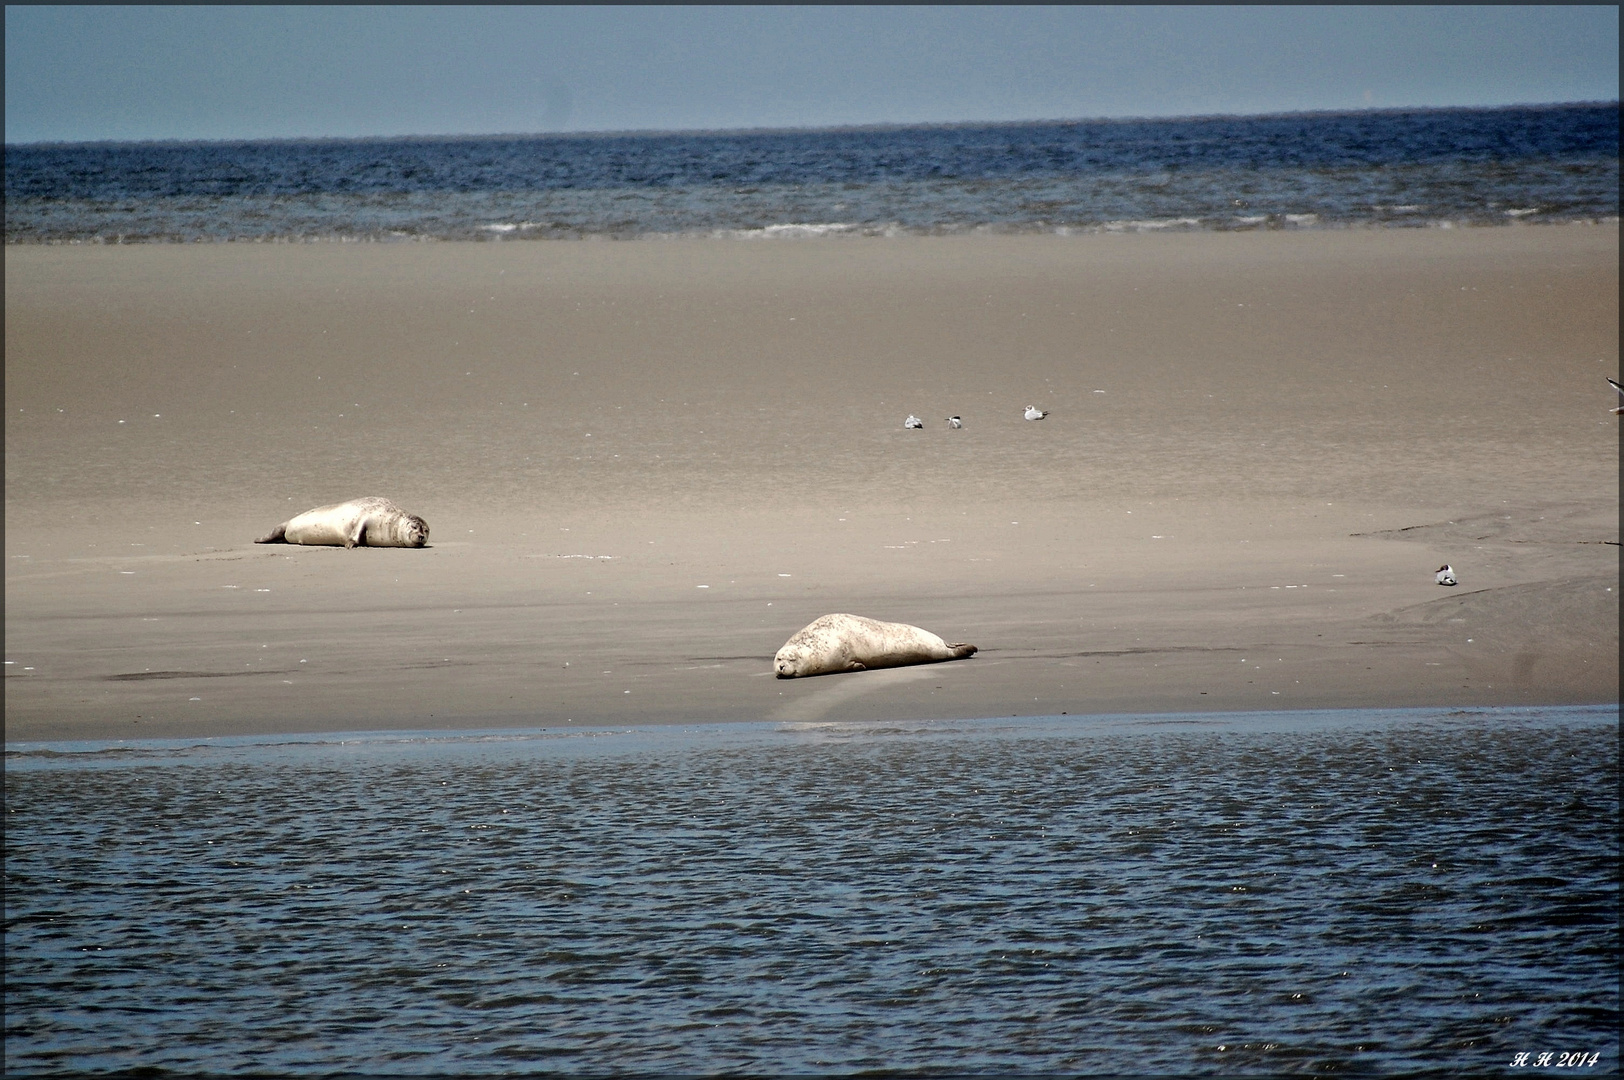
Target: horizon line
x,y
815,128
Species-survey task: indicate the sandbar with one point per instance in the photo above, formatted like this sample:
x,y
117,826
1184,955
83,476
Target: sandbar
x,y
645,464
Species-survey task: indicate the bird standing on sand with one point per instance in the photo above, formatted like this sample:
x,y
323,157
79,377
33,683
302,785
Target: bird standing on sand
x,y
955,421
1446,575
1620,410
1035,413
913,422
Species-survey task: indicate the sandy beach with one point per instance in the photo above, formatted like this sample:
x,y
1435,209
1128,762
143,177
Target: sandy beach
x,y
645,464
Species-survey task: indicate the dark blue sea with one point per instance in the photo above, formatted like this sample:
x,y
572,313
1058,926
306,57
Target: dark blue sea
x,y
1353,893
1403,168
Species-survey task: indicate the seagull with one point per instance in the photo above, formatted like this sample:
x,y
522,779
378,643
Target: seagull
x,y
1035,413
1620,410
1446,574
913,422
955,421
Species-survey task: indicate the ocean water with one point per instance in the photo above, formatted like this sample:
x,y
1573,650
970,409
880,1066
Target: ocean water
x,y
1361,893
1377,168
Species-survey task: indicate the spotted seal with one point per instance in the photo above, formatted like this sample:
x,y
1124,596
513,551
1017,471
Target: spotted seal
x,y
838,642
368,522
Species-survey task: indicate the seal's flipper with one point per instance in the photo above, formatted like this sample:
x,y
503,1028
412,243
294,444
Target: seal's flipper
x,y
278,535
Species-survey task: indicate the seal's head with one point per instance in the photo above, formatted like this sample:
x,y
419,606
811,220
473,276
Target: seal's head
x,y
791,660
414,531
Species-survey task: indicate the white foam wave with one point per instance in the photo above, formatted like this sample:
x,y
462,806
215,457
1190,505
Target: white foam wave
x,y
1523,212
1301,219
794,231
1151,225
502,228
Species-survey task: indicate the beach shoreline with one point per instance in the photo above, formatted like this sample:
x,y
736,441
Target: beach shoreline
x,y
646,464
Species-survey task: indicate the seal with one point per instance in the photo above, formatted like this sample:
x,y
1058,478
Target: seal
x,y
838,642
368,522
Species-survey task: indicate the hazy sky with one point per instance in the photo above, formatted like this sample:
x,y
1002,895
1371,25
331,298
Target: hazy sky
x,y
78,73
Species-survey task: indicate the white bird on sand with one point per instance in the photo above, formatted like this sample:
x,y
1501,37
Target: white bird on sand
x,y
1620,410
913,422
1035,413
955,421
1446,575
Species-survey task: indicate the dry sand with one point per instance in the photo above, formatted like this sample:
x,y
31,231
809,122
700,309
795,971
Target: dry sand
x,y
646,464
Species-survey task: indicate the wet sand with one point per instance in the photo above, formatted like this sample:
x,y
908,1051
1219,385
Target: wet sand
x,y
646,464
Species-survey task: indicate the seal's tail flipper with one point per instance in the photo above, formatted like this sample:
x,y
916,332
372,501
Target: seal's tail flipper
x,y
278,535
960,649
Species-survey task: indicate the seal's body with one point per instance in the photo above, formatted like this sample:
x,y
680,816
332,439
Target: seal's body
x,y
369,522
836,643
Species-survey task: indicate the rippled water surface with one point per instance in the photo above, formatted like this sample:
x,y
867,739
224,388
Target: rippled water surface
x,y
1352,892
1412,167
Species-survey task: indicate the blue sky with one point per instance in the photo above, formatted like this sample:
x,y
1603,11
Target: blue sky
x,y
82,73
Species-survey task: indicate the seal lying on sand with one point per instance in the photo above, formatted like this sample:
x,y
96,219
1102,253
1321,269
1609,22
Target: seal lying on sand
x,y
852,643
368,522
